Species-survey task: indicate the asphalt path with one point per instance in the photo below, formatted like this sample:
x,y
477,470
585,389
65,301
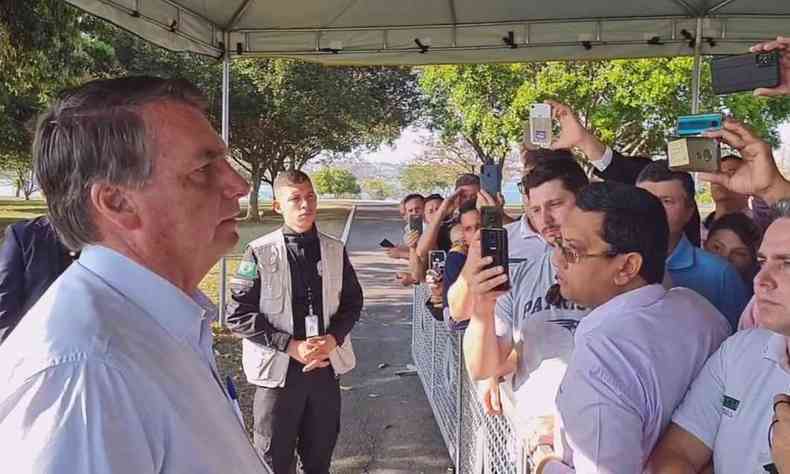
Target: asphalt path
x,y
387,425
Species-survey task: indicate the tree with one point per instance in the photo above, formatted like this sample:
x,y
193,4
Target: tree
x,y
630,104
427,178
335,181
378,188
293,111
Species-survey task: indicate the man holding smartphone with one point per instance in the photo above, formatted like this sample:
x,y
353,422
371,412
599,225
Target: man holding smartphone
x,y
525,333
295,300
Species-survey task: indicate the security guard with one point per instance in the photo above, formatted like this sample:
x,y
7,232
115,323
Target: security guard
x,y
295,299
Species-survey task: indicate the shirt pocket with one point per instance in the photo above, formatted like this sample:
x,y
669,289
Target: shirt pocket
x,y
271,268
264,365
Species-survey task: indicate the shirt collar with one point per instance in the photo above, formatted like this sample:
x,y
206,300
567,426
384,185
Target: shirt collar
x,y
180,315
776,350
682,257
526,229
626,302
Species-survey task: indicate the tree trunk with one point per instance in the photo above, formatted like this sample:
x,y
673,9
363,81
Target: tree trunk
x,y
18,188
253,213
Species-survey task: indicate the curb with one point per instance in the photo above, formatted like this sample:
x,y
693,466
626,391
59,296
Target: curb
x,y
347,228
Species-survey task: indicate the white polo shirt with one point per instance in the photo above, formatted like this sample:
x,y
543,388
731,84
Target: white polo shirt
x,y
542,334
730,405
523,242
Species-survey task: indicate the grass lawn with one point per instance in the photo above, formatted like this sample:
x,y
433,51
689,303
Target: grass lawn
x,y
12,210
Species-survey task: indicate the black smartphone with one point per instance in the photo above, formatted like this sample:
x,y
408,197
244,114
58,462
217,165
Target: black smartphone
x,y
415,223
387,244
494,244
437,260
745,72
491,178
490,217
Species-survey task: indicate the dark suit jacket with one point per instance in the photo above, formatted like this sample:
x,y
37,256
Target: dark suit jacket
x,y
31,258
626,169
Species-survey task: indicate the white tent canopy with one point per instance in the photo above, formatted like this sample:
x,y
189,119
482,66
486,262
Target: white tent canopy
x,y
358,32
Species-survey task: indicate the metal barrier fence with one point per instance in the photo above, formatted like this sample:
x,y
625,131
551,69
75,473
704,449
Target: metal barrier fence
x,y
477,443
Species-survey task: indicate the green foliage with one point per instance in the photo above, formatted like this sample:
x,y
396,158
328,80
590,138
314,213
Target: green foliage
x,y
378,188
425,178
630,104
335,181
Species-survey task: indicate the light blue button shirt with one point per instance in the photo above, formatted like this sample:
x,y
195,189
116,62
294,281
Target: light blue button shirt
x,y
711,276
113,371
634,359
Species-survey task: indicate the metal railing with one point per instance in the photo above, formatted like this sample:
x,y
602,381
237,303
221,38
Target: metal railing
x,y
477,443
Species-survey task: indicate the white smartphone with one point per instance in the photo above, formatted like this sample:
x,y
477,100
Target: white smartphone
x,y
540,124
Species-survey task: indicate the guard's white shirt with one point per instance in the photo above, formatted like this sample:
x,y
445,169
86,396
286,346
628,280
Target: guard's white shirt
x,y
730,404
523,242
634,359
542,335
112,371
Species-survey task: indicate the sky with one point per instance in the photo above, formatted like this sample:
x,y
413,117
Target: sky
x,y
408,146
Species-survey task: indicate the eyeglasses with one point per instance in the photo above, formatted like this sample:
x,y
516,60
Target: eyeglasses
x,y
522,186
572,256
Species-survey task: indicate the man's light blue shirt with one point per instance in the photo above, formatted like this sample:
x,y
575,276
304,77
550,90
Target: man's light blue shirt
x,y
711,276
113,371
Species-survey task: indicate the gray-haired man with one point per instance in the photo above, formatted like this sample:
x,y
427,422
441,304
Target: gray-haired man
x,y
112,370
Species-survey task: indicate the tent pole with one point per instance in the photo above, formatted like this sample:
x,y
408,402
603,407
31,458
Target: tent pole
x,y
697,69
225,136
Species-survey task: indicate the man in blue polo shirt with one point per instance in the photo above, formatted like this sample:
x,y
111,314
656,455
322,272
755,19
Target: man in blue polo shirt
x,y
689,266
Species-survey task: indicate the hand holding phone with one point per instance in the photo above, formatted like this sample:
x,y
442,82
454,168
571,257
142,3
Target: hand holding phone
x,y
491,178
540,124
415,224
745,72
387,244
493,243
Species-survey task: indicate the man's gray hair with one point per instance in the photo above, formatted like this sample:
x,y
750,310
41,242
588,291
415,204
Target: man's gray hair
x,y
782,209
96,133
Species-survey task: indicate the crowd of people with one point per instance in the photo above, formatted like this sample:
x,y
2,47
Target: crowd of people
x,y
643,337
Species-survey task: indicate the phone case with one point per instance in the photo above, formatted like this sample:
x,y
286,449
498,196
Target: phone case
x,y
491,217
415,223
745,72
694,125
494,244
491,179
540,124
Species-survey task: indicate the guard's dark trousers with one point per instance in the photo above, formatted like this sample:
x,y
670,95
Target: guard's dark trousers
x,y
303,416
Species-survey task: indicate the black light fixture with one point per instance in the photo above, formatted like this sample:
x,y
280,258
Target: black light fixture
x,y
510,40
423,47
655,40
239,49
587,45
173,26
134,14
689,37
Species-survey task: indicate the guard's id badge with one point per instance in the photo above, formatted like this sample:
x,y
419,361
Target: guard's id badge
x,y
311,325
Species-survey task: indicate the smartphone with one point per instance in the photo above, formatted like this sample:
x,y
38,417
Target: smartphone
x,y
387,244
490,217
695,125
491,178
540,124
494,244
415,223
745,72
437,260
694,154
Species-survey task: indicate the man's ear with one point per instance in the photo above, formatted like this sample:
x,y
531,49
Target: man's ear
x,y
276,207
115,205
630,266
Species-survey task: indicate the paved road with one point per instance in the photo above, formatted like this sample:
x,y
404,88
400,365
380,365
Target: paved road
x,y
387,425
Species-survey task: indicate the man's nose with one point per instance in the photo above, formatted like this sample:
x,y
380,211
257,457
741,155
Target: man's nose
x,y
235,184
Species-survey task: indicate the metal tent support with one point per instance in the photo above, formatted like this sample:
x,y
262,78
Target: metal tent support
x,y
225,136
696,74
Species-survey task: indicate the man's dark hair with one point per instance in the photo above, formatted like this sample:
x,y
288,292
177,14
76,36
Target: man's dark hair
x,y
284,178
659,172
433,197
567,171
633,221
743,227
467,179
411,196
532,157
468,206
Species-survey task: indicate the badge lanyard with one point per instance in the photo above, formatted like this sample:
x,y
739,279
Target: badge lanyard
x,y
311,323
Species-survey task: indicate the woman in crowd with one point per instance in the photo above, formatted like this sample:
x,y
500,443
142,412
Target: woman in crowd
x,y
736,237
